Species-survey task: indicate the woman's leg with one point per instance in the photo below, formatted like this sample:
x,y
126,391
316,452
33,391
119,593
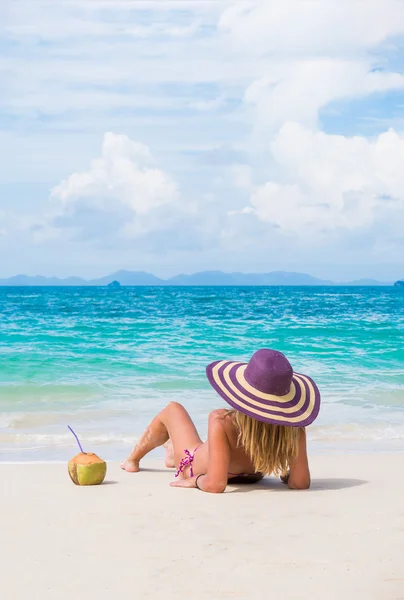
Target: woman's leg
x,y
172,423
169,460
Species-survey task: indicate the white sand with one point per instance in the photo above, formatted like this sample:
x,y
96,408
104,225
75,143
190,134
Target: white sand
x,y
137,538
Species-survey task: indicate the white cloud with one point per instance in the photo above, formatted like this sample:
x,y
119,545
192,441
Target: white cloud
x,y
328,182
123,177
83,57
315,53
298,90
24,17
318,53
301,28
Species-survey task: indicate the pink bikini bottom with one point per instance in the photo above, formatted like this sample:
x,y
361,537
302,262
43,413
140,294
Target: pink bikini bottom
x,y
188,459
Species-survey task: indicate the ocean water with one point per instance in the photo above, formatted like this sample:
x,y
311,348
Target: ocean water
x,y
106,361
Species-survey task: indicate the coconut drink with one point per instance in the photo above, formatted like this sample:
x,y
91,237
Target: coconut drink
x,y
86,468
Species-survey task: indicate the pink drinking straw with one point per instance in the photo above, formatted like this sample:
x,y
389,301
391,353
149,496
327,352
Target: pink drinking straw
x,y
77,439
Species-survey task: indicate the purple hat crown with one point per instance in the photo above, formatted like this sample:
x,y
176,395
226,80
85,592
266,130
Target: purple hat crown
x,y
270,372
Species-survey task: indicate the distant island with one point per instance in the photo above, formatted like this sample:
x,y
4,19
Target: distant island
x,y
205,278
114,285
399,283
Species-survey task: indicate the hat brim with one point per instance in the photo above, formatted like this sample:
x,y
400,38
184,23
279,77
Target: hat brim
x,y
298,408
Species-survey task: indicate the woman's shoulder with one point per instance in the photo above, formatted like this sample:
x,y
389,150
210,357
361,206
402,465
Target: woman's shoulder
x,y
220,414
222,417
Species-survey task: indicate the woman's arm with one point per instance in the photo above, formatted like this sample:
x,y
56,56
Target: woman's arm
x,y
298,477
215,480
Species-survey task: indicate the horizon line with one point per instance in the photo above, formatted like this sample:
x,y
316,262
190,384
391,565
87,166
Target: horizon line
x,y
122,278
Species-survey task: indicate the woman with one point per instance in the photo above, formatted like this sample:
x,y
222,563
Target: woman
x,y
263,433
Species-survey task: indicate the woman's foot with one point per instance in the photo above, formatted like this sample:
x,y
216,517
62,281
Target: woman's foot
x,y
170,464
129,465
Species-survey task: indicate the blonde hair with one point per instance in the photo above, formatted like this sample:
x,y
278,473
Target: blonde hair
x,y
271,448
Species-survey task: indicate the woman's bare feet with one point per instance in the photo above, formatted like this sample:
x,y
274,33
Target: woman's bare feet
x,y
131,466
170,464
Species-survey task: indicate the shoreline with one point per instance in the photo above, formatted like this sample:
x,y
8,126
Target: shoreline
x,y
135,536
313,453
158,461
119,451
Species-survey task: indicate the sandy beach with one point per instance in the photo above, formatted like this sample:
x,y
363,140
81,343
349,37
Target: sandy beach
x,y
135,537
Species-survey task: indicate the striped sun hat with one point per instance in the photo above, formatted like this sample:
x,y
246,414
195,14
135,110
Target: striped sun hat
x,y
266,389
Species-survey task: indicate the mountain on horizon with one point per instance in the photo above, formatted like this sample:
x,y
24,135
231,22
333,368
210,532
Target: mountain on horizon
x,y
128,278
40,280
204,278
212,278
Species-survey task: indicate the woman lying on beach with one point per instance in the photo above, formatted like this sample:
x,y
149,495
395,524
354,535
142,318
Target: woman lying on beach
x,y
262,434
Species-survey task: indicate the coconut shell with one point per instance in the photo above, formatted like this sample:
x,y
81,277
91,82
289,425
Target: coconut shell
x,y
86,468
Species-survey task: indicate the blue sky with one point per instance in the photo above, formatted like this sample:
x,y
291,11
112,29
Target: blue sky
x,y
177,136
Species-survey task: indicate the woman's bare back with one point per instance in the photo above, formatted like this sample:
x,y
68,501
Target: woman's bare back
x,y
239,466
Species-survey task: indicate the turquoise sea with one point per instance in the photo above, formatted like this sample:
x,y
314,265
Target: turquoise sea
x,y
106,361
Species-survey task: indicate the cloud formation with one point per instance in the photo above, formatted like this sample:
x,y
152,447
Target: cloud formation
x,y
331,181
319,181
303,28
299,90
122,174
123,182
247,107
